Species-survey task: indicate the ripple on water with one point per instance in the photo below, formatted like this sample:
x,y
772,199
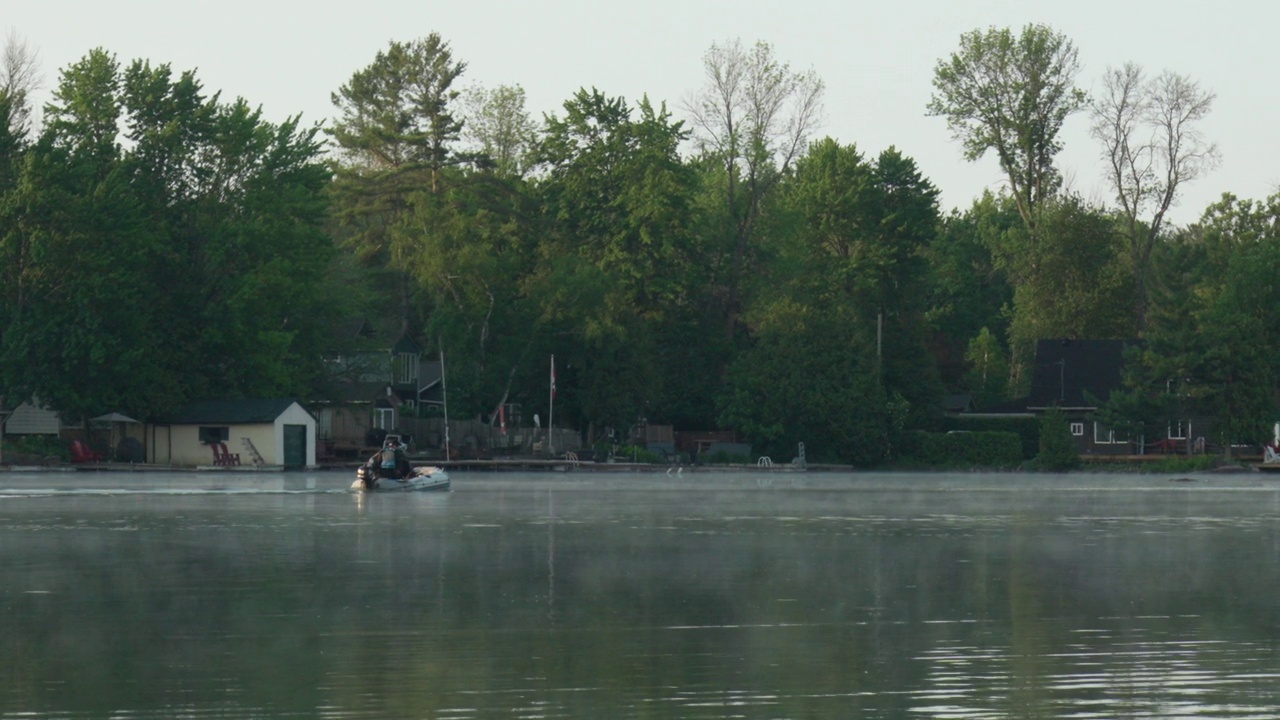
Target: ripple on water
x,y
1133,669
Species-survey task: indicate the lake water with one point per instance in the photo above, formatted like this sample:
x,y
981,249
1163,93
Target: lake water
x,y
581,595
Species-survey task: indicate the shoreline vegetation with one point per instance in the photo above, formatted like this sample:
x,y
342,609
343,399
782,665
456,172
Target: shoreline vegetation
x,y
719,264
1093,464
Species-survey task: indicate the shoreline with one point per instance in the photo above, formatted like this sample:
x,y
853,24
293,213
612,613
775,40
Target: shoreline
x,y
1089,464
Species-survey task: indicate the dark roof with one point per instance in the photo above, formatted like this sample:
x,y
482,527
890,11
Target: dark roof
x,y
1017,406
406,346
351,393
240,412
1066,369
357,327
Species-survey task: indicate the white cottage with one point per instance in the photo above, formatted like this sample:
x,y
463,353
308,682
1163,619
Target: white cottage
x,y
276,432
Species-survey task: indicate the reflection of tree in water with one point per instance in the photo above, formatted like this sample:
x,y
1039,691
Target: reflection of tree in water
x,y
836,605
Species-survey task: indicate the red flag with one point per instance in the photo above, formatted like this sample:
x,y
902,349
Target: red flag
x,y
502,418
553,377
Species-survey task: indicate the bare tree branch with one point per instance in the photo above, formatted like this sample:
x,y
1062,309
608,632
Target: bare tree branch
x,y
754,116
1152,145
19,80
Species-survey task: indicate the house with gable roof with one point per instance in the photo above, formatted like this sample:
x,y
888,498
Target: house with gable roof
x,y
29,417
372,390
277,432
1077,376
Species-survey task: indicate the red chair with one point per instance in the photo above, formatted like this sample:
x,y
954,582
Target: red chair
x,y
82,453
222,456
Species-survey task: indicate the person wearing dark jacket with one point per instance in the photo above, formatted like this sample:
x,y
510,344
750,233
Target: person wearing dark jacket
x,y
390,461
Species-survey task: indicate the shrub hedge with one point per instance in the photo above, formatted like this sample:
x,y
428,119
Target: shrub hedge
x,y
964,448
1026,428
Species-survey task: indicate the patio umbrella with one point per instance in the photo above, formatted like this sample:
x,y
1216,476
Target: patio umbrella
x,y
113,419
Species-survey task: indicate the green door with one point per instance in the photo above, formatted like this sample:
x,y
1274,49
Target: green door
x,y
295,446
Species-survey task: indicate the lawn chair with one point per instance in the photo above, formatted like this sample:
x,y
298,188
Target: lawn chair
x,y
222,456
82,453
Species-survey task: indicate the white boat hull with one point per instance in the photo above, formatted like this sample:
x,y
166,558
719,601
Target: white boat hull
x,y
422,478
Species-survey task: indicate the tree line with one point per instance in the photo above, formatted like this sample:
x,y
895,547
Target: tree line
x,y
716,265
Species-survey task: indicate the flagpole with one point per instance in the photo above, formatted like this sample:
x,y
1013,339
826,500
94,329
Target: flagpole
x,y
444,394
551,412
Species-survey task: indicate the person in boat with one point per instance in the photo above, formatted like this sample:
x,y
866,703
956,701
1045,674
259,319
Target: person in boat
x,y
390,461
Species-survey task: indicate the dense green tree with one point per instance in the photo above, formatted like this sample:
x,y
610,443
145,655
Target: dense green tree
x,y
397,113
77,317
180,265
1057,448
157,244
864,227
1224,373
1010,94
1210,349
80,322
474,263
619,194
396,134
1070,281
242,207
1233,382
967,291
810,376
752,120
851,253
617,201
906,224
988,378
1241,362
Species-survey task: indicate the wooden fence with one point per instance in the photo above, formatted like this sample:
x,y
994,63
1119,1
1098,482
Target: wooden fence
x,y
476,438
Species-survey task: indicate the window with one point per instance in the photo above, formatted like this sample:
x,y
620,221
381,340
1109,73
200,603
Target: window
x,y
211,435
384,418
1077,429
406,369
1179,430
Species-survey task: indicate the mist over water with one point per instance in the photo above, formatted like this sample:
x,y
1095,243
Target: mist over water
x,y
698,595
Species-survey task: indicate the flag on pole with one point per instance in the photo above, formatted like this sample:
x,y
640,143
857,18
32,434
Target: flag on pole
x,y
553,377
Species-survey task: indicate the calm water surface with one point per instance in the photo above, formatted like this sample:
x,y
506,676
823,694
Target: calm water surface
x,y
640,596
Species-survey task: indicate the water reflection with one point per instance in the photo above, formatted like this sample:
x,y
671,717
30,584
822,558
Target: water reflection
x,y
634,596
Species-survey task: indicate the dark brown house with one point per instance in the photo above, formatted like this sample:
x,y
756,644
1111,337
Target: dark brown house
x,y
1079,375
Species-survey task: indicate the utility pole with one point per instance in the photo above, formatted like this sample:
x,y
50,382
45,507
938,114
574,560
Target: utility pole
x,y
4,415
444,396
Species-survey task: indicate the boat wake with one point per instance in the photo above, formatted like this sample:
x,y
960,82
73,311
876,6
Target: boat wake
x,y
18,493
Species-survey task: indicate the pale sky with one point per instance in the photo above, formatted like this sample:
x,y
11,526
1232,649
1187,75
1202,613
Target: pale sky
x,y
876,59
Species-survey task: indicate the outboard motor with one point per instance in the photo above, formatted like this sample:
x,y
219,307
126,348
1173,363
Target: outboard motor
x,y
366,477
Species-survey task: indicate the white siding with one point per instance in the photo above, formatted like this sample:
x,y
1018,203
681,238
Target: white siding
x,y
180,444
295,414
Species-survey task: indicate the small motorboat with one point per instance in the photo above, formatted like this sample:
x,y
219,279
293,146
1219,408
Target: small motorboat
x,y
419,478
